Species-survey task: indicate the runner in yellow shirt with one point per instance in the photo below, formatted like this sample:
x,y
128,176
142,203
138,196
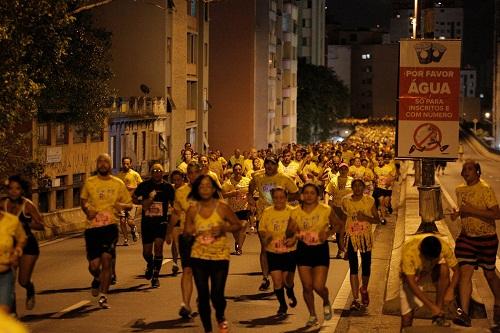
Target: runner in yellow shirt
x,y
280,245
132,179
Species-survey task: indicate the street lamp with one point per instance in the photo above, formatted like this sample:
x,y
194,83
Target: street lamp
x,y
487,115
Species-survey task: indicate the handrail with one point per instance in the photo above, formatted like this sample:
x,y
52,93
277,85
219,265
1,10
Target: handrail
x,y
470,133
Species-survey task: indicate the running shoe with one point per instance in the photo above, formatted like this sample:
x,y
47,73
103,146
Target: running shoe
x,y
224,327
175,269
265,284
312,321
184,312
113,279
383,221
148,273
94,287
282,310
365,298
441,321
155,282
30,297
291,296
355,305
389,209
103,302
125,242
340,254
327,311
134,233
462,318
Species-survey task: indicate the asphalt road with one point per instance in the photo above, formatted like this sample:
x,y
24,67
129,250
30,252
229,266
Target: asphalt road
x,y
64,302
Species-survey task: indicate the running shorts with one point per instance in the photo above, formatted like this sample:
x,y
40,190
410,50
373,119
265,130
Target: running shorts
x,y
243,215
152,230
380,192
101,240
31,248
477,251
313,255
185,245
285,262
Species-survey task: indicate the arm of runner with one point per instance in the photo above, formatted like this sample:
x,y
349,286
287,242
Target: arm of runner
x,y
233,223
412,283
489,213
189,227
87,209
36,217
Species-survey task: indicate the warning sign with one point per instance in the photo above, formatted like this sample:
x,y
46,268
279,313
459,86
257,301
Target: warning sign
x,y
429,90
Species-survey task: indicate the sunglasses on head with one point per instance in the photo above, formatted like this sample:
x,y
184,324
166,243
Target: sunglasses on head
x,y
157,170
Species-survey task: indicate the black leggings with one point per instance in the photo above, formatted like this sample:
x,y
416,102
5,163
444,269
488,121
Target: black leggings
x,y
216,271
366,260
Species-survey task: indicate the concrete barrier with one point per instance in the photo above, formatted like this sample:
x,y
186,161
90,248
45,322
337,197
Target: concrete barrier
x,y
61,223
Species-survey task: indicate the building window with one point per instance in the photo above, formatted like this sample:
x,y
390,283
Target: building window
x,y
43,202
366,56
60,181
143,145
61,134
304,41
60,199
78,179
191,7
205,12
192,95
309,4
112,151
169,50
192,48
43,134
97,136
79,135
76,197
134,143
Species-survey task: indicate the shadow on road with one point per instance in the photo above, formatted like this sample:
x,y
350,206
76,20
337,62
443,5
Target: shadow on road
x,y
143,287
264,321
251,297
61,291
76,313
315,329
141,326
248,273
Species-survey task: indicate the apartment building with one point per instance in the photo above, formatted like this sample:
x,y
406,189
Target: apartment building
x,y
160,53
253,73
312,31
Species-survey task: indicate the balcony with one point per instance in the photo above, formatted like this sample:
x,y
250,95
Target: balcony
x,y
138,107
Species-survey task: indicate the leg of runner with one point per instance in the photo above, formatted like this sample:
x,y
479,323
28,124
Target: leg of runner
x,y
289,278
175,251
306,278
218,278
26,266
105,279
187,276
279,290
354,278
319,275
158,261
366,263
147,254
95,271
264,267
130,218
123,227
202,272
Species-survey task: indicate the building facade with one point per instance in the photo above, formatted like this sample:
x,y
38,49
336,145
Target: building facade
x,y
312,31
161,49
253,73
468,82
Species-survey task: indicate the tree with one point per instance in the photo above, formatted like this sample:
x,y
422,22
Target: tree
x,y
53,66
322,98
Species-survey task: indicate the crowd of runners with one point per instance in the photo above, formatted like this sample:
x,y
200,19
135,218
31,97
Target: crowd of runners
x,y
296,198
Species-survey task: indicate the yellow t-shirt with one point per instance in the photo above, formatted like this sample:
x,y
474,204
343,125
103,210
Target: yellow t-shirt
x,y
339,189
248,165
215,177
11,232
182,167
481,196
310,225
205,245
102,195
359,232
357,172
240,202
182,203
275,223
290,170
240,160
369,176
10,325
385,175
412,262
131,179
265,184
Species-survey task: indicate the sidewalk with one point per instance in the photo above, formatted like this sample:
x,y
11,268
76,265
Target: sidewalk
x,y
384,282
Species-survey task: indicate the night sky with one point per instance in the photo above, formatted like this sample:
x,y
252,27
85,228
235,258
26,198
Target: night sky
x,y
351,14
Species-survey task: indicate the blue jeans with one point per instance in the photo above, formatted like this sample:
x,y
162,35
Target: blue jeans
x,y
7,285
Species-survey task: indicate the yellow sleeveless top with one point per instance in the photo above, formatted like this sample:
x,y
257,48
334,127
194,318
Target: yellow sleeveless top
x,y
205,245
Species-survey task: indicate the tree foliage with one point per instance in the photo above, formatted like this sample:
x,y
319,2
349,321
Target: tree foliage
x,y
53,66
322,98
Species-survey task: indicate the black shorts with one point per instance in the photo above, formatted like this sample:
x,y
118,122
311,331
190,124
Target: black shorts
x,y
313,255
380,192
185,245
101,240
285,262
31,248
152,230
243,215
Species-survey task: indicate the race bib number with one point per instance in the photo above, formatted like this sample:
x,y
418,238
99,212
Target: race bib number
x,y
309,237
279,245
206,239
155,210
102,219
357,228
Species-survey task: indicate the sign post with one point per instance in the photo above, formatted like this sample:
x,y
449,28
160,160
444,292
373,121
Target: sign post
x,y
428,113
